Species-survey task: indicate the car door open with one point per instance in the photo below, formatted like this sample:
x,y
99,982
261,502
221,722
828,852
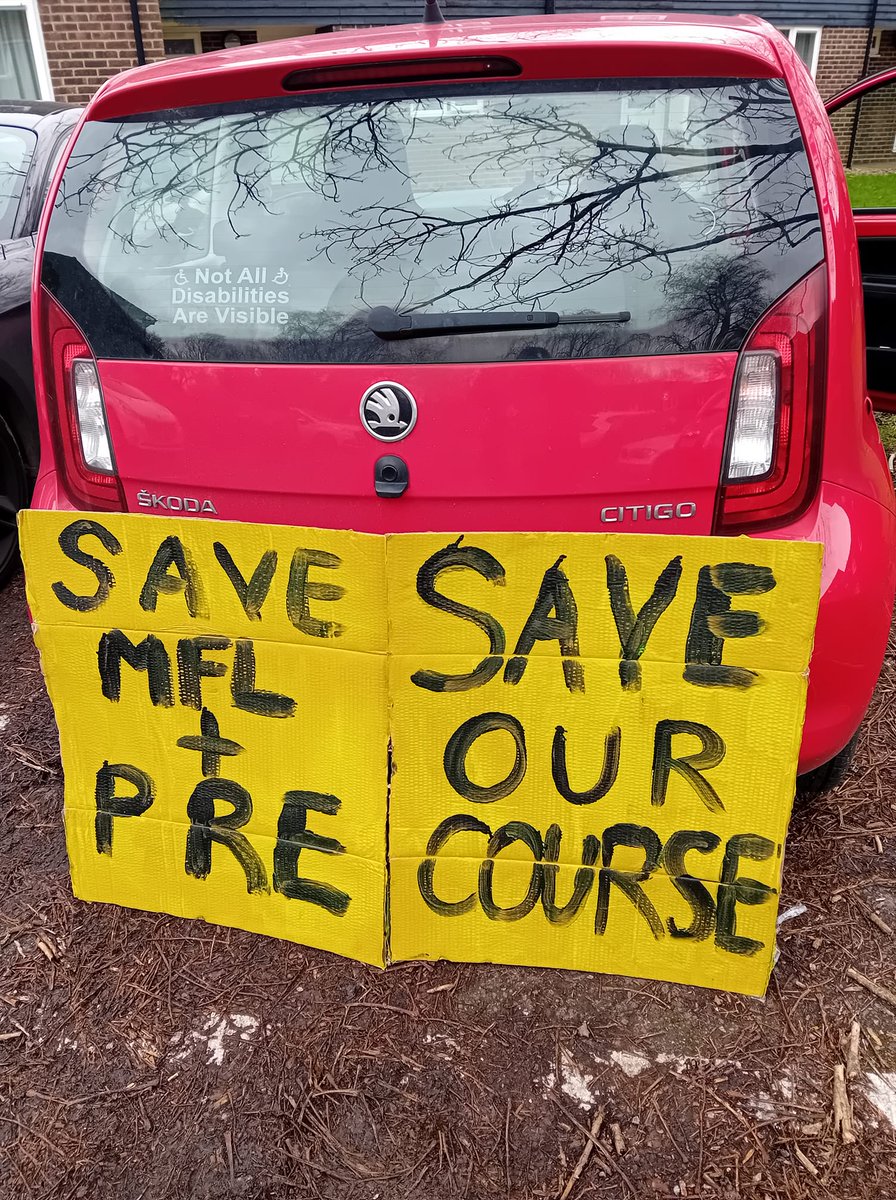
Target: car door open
x,y
876,231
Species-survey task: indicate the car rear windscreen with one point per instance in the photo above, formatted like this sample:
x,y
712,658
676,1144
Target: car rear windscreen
x,y
646,216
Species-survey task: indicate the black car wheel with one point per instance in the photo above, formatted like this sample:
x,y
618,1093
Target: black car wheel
x,y
830,774
13,496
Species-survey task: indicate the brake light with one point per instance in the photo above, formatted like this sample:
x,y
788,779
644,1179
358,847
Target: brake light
x,y
77,412
773,447
401,71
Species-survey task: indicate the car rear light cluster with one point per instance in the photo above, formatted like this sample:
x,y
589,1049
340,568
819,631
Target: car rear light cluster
x,y
90,415
77,412
773,450
755,415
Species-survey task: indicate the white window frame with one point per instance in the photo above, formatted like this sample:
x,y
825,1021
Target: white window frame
x,y
790,33
38,49
874,48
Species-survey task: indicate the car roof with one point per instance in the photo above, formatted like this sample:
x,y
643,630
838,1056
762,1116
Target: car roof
x,y
578,31
28,114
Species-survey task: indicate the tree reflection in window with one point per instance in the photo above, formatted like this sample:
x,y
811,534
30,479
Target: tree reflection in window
x,y
689,206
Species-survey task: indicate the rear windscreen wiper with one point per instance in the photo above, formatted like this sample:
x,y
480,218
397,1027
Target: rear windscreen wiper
x,y
387,323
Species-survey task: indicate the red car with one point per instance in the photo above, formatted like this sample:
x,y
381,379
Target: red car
x,y
566,273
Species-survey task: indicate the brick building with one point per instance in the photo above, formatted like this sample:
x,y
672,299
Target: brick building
x,y
66,48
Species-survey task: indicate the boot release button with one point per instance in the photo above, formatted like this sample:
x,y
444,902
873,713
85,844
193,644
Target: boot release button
x,y
390,476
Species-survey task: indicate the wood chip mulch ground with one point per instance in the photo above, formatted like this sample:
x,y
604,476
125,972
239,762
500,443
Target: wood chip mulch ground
x,y
147,1057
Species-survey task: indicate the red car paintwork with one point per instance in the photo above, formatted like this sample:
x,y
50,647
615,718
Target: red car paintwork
x,y
551,475
631,433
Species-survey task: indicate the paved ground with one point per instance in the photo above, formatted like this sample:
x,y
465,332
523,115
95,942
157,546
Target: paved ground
x,y
146,1057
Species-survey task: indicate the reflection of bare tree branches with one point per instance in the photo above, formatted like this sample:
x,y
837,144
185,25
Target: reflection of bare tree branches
x,y
714,303
538,200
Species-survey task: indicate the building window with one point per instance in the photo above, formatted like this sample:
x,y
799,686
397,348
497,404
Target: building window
x,y
874,48
177,47
806,40
24,74
214,39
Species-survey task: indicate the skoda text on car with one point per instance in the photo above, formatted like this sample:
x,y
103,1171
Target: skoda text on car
x,y
567,273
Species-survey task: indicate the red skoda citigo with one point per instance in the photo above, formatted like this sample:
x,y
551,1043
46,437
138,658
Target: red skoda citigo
x,y
567,273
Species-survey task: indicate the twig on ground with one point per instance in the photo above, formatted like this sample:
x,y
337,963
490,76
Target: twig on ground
x,y
618,1139
131,1090
587,1149
842,1109
228,1146
876,989
507,1147
678,1149
875,919
806,1161
852,1050
19,753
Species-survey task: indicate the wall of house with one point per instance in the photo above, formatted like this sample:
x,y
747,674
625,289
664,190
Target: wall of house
x,y
840,63
229,13
87,41
877,122
209,38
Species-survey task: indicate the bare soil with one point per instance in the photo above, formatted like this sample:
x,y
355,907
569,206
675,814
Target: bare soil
x,y
148,1057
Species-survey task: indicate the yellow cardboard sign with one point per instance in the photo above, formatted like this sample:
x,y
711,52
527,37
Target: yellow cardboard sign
x,y
220,692
583,746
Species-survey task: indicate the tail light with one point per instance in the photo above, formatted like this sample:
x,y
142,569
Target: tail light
x,y
411,70
77,412
773,447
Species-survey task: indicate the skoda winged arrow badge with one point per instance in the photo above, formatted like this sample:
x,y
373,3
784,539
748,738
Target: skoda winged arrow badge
x,y
388,411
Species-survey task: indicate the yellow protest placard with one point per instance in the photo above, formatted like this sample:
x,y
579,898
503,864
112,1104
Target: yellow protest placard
x,y
584,745
220,691
596,741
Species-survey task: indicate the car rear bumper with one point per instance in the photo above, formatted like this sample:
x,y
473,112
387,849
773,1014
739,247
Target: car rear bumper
x,y
858,583
857,590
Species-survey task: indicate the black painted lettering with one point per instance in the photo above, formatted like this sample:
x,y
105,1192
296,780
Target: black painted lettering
x,y
513,831
688,766
712,621
245,694
206,829
608,773
149,655
582,884
457,558
554,596
694,892
70,545
637,837
187,580
109,806
294,836
447,829
252,593
635,629
459,745
734,890
192,668
210,744
300,590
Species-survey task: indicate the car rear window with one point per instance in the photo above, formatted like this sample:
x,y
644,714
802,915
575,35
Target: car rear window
x,y
651,217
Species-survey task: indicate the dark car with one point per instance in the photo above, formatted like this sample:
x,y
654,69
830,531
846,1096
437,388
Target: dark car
x,y
33,134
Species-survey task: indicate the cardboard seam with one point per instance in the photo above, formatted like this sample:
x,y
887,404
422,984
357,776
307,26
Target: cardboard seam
x,y
746,865
329,645
185,826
